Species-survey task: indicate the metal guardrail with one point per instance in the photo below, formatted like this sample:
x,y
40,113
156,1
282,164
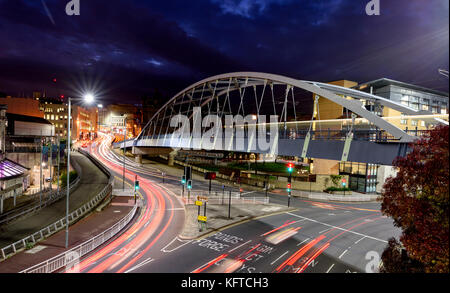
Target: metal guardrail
x,y
234,200
60,224
51,199
66,258
344,198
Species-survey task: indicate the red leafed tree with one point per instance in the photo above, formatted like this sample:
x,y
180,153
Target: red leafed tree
x,y
418,201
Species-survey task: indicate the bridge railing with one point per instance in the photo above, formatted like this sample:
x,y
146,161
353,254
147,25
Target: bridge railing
x,y
232,200
373,135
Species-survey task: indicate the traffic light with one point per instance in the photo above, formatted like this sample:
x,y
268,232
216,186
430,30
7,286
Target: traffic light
x,y
188,173
189,184
183,179
290,167
344,182
210,175
136,185
289,187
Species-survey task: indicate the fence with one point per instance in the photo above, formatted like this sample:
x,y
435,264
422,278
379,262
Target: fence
x,y
60,224
64,259
223,198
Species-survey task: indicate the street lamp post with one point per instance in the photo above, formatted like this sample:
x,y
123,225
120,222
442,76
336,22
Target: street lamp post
x,y
69,115
88,98
59,152
124,149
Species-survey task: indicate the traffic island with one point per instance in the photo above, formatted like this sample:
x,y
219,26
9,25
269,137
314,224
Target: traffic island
x,y
217,217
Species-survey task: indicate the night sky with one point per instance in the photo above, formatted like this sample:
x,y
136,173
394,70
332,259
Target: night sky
x,y
125,49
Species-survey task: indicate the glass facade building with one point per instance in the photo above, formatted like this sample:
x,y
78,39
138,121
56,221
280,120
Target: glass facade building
x,y
416,97
362,176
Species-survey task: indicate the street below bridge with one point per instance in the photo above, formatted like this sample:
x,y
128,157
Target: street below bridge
x,y
315,237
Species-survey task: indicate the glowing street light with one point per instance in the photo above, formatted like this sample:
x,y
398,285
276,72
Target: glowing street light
x,y
89,98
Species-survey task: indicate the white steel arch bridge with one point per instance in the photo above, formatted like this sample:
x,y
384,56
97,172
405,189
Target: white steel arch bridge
x,y
360,136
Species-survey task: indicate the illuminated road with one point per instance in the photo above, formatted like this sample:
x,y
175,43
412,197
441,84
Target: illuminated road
x,y
160,221
317,237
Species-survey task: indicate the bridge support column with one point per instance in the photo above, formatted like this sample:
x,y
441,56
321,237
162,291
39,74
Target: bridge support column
x,y
172,157
138,159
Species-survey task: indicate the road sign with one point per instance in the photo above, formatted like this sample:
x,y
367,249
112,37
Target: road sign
x,y
202,218
198,203
202,198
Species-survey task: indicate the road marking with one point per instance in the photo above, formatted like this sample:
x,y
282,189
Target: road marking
x,y
339,228
146,261
360,240
184,242
239,246
279,257
329,269
303,241
242,222
325,230
342,254
248,192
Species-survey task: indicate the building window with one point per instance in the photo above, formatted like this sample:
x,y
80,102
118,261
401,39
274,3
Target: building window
x,y
413,122
404,121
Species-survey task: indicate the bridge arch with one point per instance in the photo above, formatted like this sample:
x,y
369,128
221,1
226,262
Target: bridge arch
x,y
218,88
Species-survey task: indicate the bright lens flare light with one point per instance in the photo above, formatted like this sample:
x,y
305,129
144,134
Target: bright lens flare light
x,y
88,98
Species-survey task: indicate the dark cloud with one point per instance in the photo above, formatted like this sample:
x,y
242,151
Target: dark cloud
x,y
127,48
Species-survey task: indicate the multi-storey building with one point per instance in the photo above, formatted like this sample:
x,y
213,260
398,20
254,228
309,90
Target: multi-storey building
x,y
84,119
415,97
22,106
113,116
369,178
